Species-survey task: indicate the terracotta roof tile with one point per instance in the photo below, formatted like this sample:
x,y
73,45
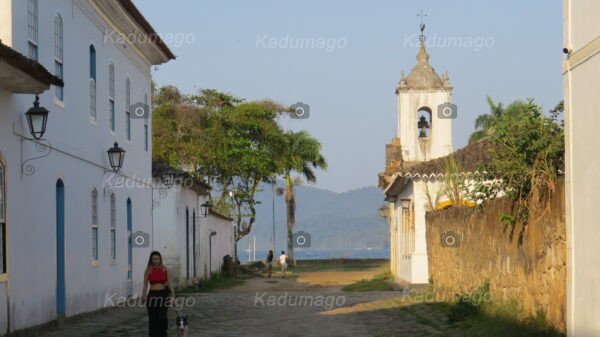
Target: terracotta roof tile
x,y
468,159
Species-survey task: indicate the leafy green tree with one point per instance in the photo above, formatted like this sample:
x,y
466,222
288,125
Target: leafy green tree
x,y
219,137
526,158
244,140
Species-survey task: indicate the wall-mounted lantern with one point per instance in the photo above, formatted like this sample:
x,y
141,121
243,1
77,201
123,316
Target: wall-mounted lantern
x,y
384,211
116,156
37,118
405,203
205,208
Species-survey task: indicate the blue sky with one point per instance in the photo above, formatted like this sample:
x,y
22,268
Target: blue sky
x,y
349,84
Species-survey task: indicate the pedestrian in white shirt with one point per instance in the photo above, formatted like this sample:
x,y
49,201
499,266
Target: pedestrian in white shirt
x,y
283,262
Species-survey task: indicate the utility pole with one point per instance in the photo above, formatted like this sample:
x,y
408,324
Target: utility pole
x,y
273,192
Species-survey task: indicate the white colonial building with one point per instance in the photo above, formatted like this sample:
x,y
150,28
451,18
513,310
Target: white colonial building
x,y
424,133
65,221
581,74
192,238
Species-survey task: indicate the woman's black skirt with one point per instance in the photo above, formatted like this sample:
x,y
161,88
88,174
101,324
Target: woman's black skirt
x,y
157,305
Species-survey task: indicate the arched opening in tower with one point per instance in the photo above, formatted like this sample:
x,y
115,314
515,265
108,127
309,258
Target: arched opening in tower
x,y
424,122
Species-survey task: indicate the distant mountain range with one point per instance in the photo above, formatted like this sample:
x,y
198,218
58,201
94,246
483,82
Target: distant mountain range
x,y
334,220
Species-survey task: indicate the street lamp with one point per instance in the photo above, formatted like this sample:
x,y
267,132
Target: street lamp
x,y
205,208
405,203
37,117
384,211
116,156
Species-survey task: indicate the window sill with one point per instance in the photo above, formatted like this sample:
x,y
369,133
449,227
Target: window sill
x,y
3,278
93,121
95,263
113,262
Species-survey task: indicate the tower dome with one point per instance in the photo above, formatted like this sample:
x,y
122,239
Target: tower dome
x,y
423,76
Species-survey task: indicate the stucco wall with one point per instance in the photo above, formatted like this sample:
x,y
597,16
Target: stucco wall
x,y
532,273
170,232
222,242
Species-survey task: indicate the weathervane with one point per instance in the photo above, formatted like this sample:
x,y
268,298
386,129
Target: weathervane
x,y
422,36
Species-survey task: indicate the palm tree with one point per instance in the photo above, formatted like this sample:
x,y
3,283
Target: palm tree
x,y
300,154
484,122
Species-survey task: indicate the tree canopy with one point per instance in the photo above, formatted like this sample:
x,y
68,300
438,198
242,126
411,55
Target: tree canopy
x,y
232,144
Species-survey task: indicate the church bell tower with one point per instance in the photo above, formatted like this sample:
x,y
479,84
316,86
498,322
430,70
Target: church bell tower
x,y
425,111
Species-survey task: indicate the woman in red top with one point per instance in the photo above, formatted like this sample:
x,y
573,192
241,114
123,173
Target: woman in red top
x,y
159,298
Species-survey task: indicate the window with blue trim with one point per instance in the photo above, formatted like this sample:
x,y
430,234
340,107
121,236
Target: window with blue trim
x,y
58,55
127,108
111,96
92,82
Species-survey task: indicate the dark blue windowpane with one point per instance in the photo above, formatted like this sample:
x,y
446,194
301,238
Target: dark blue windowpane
x,y
92,62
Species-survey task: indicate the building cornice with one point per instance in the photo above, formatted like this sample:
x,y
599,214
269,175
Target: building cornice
x,y
131,28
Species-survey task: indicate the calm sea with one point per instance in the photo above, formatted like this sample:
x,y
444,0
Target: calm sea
x,y
314,254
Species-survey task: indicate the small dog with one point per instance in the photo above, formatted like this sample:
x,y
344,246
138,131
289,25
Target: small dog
x,y
182,325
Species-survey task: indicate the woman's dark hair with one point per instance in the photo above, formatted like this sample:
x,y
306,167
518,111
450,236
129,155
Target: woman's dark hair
x,y
270,257
152,255
282,252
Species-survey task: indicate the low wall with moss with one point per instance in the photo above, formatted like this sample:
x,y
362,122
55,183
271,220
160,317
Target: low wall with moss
x,y
524,263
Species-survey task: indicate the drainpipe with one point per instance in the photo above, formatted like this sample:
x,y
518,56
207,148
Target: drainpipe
x,y
7,306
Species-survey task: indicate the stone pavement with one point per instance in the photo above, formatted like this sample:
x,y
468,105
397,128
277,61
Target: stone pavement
x,y
282,308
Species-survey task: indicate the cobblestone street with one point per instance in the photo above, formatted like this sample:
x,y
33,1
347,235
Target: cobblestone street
x,y
255,309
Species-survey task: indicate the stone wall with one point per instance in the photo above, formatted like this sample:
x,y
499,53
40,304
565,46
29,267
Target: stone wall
x,y
523,264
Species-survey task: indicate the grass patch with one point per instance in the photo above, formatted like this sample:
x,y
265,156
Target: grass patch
x,y
216,282
426,321
331,266
486,318
492,322
376,284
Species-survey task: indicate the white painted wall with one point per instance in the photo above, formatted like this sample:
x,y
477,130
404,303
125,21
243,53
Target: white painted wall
x,y
80,160
170,232
222,242
582,117
414,269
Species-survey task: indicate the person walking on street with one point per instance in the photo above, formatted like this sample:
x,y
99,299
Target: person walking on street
x,y
270,259
160,296
283,262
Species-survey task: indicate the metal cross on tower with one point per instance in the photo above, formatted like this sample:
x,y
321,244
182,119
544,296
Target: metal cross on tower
x,y
422,15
